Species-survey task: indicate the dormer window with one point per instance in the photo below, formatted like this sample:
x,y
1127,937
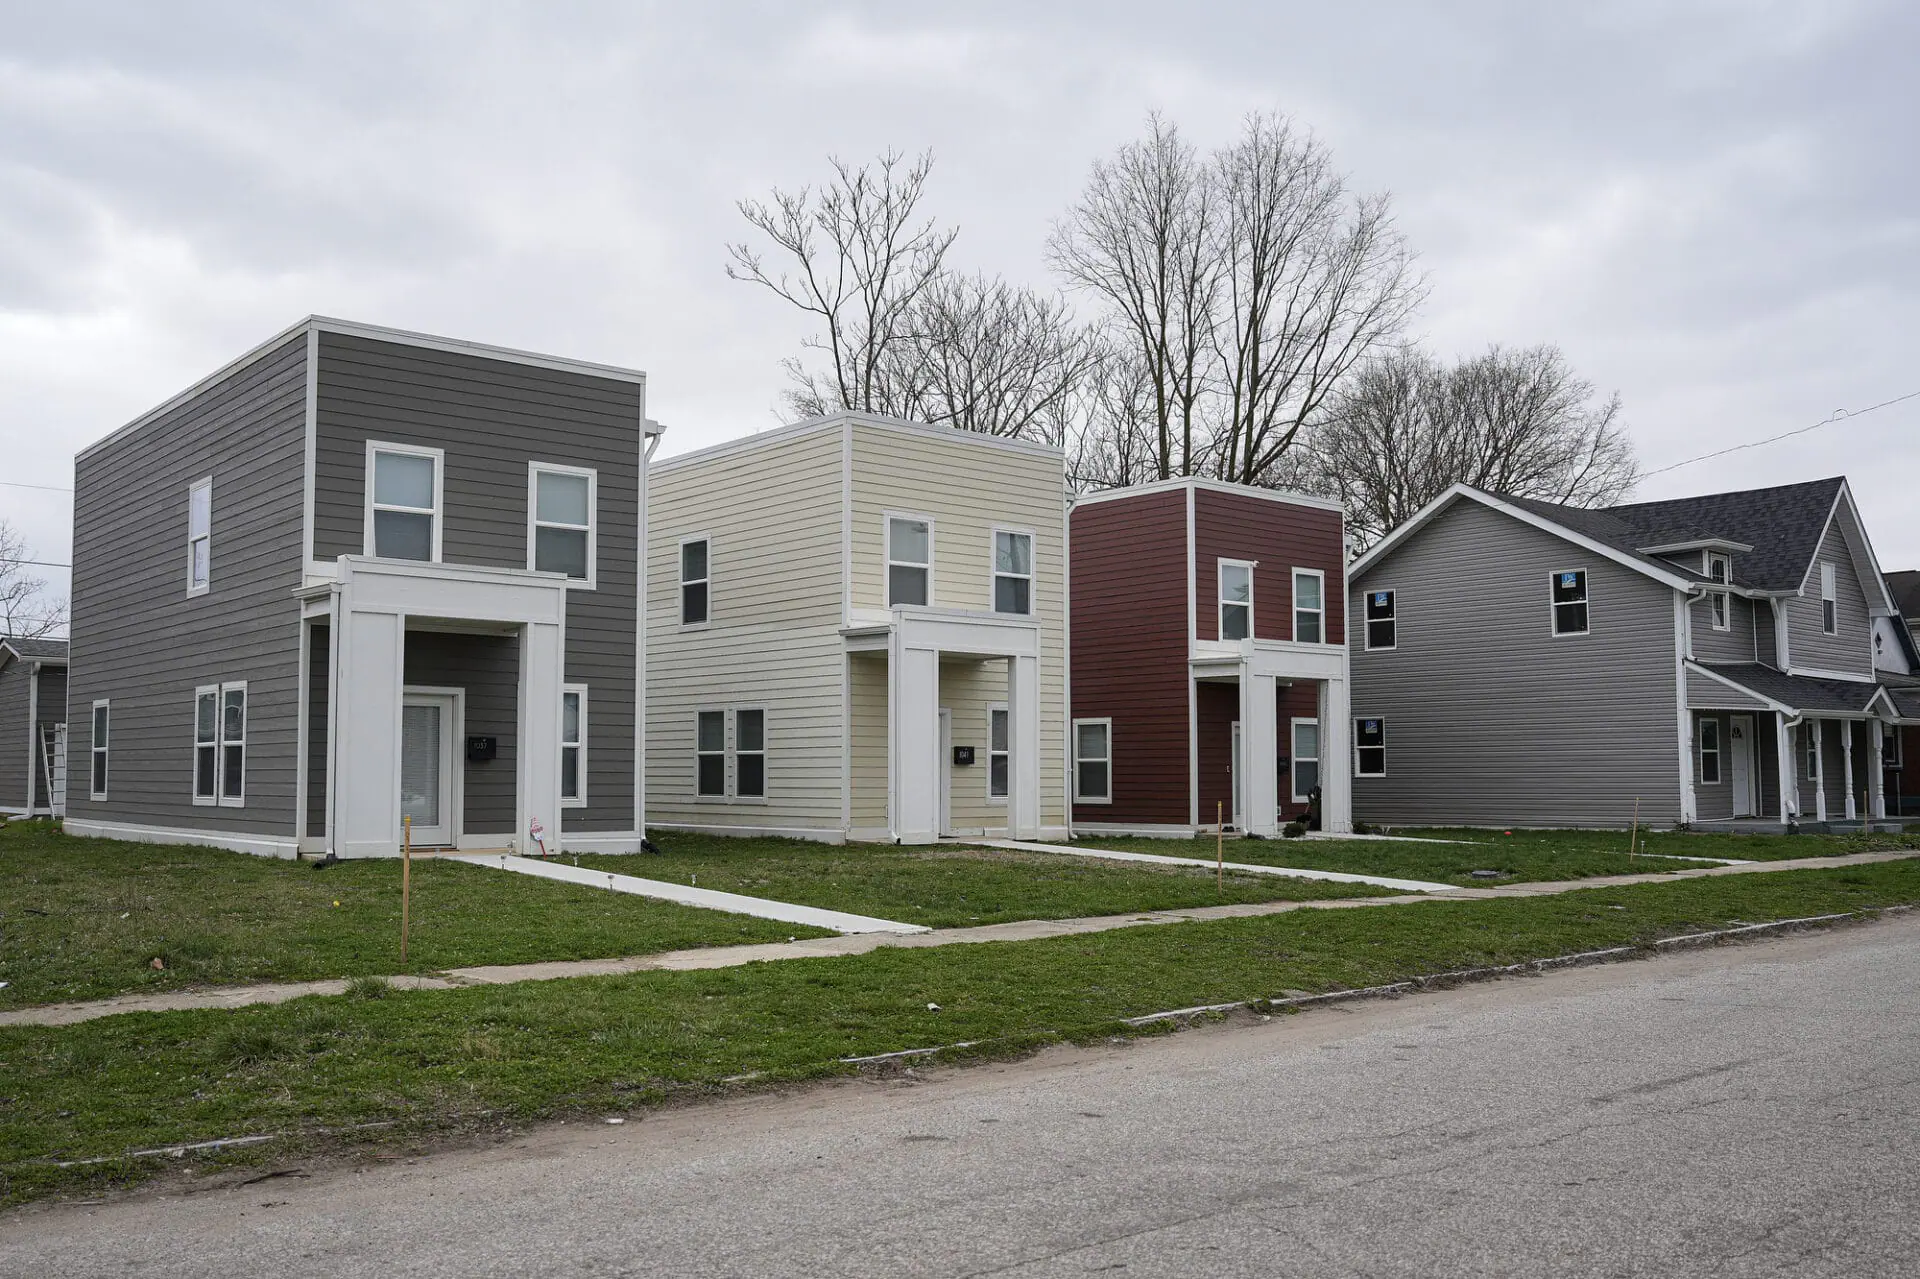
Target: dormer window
x,y
1720,569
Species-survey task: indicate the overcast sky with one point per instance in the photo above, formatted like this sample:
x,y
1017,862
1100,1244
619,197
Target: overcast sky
x,y
1712,207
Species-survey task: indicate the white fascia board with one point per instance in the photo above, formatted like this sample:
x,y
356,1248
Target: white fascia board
x,y
845,421
1849,677
1181,482
1860,546
1700,544
745,444
1678,581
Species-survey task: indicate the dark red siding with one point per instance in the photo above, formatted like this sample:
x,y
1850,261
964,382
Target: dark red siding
x,y
1219,708
1903,783
1129,594
1281,536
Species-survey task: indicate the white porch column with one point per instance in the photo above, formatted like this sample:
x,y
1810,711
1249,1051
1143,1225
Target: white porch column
x,y
913,730
542,650
1023,741
1846,766
364,706
1877,768
1260,752
1336,757
1784,769
1819,767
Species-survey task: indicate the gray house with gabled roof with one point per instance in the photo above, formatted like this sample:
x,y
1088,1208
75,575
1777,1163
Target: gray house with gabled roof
x,y
1713,660
33,713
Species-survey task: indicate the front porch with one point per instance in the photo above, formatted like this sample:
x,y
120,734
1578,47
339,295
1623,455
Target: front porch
x,y
1290,705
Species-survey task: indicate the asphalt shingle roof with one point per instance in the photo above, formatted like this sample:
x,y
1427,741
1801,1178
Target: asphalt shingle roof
x,y
1802,692
1905,586
43,648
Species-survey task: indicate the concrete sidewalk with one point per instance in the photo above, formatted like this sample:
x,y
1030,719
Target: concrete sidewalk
x,y
1198,863
861,943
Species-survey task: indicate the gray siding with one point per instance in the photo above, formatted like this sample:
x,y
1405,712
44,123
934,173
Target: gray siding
x,y
492,418
488,668
1736,643
318,668
1714,801
1850,648
15,678
1765,649
52,704
141,641
1491,720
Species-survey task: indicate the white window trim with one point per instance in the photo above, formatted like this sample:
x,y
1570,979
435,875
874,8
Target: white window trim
x,y
1220,592
1366,622
1829,594
1891,752
439,512
205,482
96,748
1293,756
734,753
886,543
1357,721
205,801
1078,798
1553,620
1720,601
1321,575
994,574
534,522
681,581
580,771
1001,800
1810,751
220,736
700,753
1700,725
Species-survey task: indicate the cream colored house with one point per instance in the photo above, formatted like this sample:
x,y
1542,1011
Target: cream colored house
x,y
856,630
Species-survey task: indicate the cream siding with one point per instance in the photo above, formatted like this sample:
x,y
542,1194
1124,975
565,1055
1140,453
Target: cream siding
x,y
867,748
969,688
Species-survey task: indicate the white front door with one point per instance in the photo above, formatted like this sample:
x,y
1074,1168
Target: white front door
x,y
1741,731
427,762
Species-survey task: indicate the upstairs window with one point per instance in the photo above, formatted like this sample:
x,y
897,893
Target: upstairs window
x,y
560,526
1382,633
1709,752
1569,592
1829,600
1012,572
909,561
1093,761
403,502
200,536
998,757
573,746
695,578
1309,606
1720,569
97,773
1236,600
1370,747
711,754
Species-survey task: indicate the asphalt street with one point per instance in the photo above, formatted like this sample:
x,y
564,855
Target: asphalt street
x,y
1749,1110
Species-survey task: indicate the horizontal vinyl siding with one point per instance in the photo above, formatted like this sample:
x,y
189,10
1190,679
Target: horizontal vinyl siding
x,y
867,739
487,669
969,488
1490,719
1130,651
52,705
15,678
969,689
141,641
1736,643
1279,537
493,418
1711,694
773,638
1765,646
1850,648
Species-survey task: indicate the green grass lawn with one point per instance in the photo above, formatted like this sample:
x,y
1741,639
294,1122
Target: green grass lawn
x,y
85,918
947,887
1524,855
442,1060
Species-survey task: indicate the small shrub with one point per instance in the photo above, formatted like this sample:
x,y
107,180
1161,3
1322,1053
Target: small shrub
x,y
369,988
249,1044
1294,830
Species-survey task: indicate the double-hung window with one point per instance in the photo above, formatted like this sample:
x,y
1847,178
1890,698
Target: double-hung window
x,y
1569,593
404,492
1709,733
909,561
220,744
200,536
1306,759
560,524
1309,606
1236,599
1093,761
998,757
710,750
1720,570
1012,572
696,577
750,754
1370,747
1382,632
97,773
1810,740
1829,600
573,746
747,754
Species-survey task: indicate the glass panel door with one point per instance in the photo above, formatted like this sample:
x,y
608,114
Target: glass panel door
x,y
425,768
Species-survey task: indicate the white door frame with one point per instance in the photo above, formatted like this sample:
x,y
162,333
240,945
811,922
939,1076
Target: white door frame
x,y
946,771
1743,766
1238,815
452,760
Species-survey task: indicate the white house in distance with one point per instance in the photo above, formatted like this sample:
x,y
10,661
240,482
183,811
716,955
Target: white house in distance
x,y
856,630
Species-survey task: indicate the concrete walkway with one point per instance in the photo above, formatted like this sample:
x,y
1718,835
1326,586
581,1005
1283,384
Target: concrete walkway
x,y
861,943
1239,868
687,895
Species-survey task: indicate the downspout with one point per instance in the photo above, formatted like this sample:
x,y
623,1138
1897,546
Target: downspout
x,y
1066,646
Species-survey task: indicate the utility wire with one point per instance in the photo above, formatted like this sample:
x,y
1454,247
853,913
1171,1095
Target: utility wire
x,y
1838,415
50,488
36,563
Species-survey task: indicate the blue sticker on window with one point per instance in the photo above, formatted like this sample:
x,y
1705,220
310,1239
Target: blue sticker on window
x,y
1380,598
1567,580
1373,726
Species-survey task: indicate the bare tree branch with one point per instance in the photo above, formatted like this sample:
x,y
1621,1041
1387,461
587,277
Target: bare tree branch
x,y
27,610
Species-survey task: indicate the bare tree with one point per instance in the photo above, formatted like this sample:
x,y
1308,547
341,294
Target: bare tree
x,y
1110,434
857,258
26,609
1139,238
1312,279
1405,428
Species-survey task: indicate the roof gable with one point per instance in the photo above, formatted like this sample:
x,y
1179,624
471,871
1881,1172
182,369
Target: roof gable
x,y
37,650
1784,525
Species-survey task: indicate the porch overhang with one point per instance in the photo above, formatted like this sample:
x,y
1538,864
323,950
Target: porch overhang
x,y
1260,667
1754,687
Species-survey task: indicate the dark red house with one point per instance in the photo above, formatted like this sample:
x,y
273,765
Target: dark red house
x,y
1209,626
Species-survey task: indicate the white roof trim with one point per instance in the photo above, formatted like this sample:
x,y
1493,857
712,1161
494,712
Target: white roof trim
x,y
1182,482
1676,580
402,337
834,421
1870,570
1699,544
1694,668
7,644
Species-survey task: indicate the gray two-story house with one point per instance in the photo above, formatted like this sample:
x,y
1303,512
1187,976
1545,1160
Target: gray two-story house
x,y
360,581
1708,660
